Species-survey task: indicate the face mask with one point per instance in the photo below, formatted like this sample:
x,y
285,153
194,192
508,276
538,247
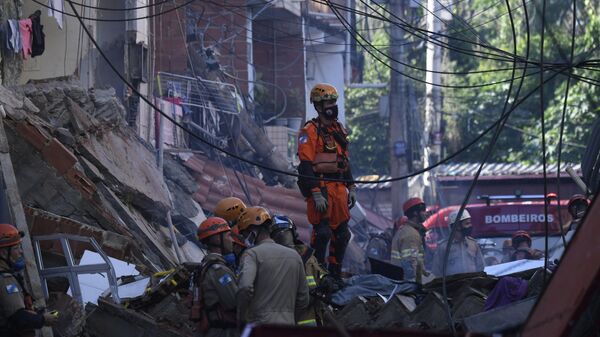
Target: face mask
x,y
19,264
467,231
331,112
230,260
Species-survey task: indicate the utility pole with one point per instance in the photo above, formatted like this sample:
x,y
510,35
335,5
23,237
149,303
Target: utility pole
x,y
398,112
433,103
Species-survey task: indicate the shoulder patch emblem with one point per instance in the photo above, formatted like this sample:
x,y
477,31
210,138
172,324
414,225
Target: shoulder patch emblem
x,y
12,289
303,137
225,279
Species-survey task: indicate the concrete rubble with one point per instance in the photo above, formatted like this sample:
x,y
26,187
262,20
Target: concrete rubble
x,y
82,171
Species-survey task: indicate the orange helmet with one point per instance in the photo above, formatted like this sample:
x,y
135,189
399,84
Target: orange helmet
x,y
9,236
412,202
253,216
323,92
237,237
212,226
230,209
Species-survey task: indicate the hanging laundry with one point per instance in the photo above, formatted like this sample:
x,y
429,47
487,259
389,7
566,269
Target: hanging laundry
x,y
14,39
55,9
26,38
39,38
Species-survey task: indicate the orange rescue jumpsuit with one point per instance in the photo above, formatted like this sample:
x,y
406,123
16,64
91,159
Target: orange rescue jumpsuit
x,y
332,224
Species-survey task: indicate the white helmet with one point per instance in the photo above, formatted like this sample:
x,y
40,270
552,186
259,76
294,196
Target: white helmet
x,y
452,217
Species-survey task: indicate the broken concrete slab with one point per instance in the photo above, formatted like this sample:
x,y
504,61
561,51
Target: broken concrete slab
x,y
429,314
108,319
501,319
176,172
71,318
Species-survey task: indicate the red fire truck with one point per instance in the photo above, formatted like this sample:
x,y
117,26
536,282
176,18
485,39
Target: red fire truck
x,y
496,218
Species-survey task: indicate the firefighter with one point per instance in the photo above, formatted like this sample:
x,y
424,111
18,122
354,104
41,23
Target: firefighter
x,y
230,209
272,280
408,245
323,153
283,231
465,255
17,317
521,243
578,205
216,282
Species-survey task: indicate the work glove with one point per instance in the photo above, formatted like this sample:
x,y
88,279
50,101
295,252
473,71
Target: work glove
x,y
351,196
320,201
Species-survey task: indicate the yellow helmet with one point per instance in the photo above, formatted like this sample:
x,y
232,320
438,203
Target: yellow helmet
x,y
253,216
323,92
230,209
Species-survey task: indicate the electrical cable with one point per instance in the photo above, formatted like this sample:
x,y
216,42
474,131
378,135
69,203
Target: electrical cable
x,y
490,148
242,187
229,153
411,30
543,120
347,24
562,129
118,20
448,158
423,81
550,67
121,9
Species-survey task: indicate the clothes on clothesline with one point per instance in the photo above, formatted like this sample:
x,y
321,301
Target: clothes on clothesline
x,y
25,35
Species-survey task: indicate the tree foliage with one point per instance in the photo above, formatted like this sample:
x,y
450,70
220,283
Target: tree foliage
x,y
369,134
469,111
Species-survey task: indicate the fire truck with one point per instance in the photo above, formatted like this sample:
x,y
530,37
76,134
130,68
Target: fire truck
x,y
497,217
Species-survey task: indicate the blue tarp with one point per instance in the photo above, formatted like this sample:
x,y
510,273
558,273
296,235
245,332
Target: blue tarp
x,y
370,286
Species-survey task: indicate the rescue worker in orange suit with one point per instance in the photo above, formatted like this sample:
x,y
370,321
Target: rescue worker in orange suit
x,y
230,209
521,243
283,231
216,282
323,153
17,317
272,283
465,254
408,245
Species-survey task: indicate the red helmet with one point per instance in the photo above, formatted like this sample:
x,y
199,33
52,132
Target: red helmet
x,y
519,236
212,226
412,202
237,237
9,235
577,198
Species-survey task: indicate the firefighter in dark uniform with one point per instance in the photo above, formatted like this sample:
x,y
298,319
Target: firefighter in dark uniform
x,y
323,153
17,317
217,284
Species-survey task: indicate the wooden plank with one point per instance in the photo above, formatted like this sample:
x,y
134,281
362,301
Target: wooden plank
x,y
16,208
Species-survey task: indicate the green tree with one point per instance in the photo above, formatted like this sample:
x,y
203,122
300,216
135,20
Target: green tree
x,y
469,111
369,134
